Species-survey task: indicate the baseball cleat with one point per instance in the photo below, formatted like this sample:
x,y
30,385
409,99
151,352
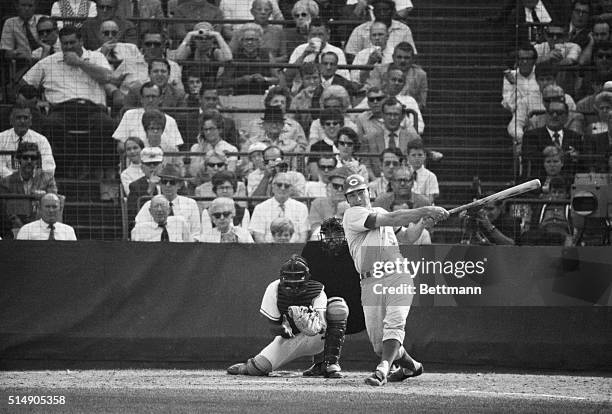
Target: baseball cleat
x,y
238,369
403,373
377,379
333,371
316,370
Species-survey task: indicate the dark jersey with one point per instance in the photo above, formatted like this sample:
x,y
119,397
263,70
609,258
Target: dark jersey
x,y
340,278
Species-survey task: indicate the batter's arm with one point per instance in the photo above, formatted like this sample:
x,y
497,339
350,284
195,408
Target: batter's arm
x,y
405,217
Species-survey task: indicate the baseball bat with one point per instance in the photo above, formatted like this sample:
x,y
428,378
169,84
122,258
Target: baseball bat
x,y
501,195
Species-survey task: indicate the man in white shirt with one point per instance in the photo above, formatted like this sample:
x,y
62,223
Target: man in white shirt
x,y
163,227
556,49
318,37
280,205
379,52
171,180
398,32
521,83
48,227
21,121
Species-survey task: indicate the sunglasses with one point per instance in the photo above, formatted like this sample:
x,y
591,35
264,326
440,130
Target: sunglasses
x,y
29,157
152,44
338,187
152,164
216,164
555,35
225,214
375,98
283,185
558,113
45,32
110,32
301,15
391,163
326,167
168,182
402,180
581,12
346,143
331,123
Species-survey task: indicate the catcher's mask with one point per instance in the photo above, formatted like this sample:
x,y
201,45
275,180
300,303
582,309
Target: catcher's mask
x,y
293,274
332,235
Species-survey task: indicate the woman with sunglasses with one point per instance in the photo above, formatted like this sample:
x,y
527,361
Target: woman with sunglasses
x,y
331,121
303,12
215,163
223,228
210,139
348,144
333,97
225,184
133,148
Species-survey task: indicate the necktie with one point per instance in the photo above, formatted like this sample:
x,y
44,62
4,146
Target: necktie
x,y
52,50
31,39
557,139
51,232
281,213
414,176
392,136
171,210
164,233
534,16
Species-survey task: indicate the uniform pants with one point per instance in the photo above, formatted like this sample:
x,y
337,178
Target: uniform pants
x,y
282,351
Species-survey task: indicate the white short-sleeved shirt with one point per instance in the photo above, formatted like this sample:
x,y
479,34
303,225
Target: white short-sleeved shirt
x,y
266,212
269,303
62,82
181,206
426,182
149,231
9,141
131,126
311,57
39,230
369,246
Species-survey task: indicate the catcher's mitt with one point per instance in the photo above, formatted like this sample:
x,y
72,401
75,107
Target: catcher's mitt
x,y
306,320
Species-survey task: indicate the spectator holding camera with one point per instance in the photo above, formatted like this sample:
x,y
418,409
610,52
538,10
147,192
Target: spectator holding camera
x,y
275,164
490,225
194,9
556,49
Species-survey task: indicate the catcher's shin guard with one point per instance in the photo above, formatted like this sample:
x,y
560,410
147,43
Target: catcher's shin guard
x,y
337,314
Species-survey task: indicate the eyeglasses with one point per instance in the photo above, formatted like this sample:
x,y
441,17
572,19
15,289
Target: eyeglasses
x,y
250,39
391,163
555,35
216,164
581,12
45,32
326,167
392,114
283,185
212,128
346,143
338,187
402,181
550,99
375,98
300,15
152,44
526,59
558,113
110,32
224,214
166,181
331,123
29,157
152,164
225,188
155,128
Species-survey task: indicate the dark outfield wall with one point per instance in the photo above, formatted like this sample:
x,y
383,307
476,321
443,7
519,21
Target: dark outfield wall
x,y
116,301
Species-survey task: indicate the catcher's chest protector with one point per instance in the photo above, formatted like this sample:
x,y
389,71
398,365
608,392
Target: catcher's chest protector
x,y
311,290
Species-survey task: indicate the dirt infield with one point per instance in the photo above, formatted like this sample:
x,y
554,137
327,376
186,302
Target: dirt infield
x,y
212,391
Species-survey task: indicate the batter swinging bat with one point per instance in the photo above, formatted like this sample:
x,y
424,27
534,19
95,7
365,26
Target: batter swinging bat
x,y
502,195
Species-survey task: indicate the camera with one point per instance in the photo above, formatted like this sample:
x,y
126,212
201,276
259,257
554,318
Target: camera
x,y
592,195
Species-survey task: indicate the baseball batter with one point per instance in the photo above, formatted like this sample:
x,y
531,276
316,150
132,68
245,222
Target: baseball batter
x,y
295,307
372,234
331,264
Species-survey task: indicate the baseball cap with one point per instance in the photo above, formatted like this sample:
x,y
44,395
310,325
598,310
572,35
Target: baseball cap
x,y
258,146
354,182
607,86
151,154
171,171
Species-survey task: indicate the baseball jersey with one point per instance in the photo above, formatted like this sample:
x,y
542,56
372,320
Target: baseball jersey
x,y
269,303
369,246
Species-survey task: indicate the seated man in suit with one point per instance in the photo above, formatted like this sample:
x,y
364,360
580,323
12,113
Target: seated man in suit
x,y
328,67
395,134
554,133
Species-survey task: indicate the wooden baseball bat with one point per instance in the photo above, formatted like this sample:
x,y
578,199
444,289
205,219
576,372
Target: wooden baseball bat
x,y
501,195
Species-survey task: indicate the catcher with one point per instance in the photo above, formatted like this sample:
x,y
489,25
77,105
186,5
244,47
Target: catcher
x,y
295,307
331,264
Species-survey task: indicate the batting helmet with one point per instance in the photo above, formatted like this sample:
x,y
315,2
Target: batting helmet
x,y
354,182
332,235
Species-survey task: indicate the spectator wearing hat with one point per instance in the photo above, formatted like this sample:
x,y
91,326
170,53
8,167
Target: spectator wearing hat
x,y
256,159
282,230
21,122
163,226
148,185
221,213
171,180
210,139
279,205
398,32
48,227
328,204
28,180
217,169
